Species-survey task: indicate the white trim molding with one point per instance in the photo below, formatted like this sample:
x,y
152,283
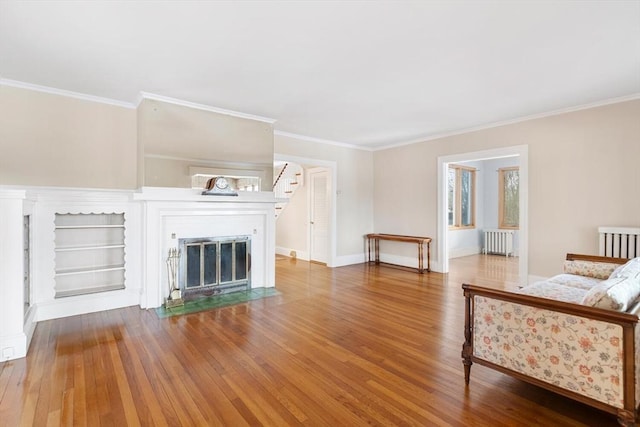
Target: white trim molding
x,y
343,260
302,255
557,112
65,93
461,252
322,141
197,106
130,105
13,346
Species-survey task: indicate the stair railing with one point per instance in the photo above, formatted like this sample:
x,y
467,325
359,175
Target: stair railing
x,y
280,175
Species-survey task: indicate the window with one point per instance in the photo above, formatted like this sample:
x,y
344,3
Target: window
x,y
509,200
461,197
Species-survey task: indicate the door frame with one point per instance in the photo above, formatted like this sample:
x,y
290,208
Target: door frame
x,y
311,210
332,168
522,151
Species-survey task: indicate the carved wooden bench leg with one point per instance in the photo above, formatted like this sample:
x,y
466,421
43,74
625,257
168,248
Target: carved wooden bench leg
x,y
626,418
466,361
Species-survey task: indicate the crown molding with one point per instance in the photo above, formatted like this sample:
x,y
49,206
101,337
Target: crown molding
x,y
189,104
146,95
66,93
321,141
632,97
141,96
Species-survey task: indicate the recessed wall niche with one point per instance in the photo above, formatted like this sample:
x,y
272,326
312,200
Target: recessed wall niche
x,y
89,253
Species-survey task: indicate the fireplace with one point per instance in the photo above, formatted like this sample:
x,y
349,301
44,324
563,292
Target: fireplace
x,y
172,214
214,265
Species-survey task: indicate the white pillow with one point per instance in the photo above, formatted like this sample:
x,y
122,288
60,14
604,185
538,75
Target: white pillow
x,y
614,294
630,268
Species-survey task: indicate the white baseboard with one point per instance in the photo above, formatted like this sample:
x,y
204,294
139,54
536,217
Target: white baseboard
x,y
436,267
460,252
360,258
303,255
411,262
343,260
13,347
338,262
83,304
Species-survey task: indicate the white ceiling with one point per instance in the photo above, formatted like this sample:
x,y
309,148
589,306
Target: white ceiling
x,y
361,72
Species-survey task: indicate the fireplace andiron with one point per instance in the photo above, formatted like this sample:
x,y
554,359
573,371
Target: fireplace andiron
x,y
175,295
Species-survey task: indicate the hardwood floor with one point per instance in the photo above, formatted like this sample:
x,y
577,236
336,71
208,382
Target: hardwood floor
x,y
356,345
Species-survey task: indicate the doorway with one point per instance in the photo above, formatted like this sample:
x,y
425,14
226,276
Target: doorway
x,y
318,214
320,240
442,249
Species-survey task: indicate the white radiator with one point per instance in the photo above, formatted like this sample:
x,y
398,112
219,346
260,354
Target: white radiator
x,y
498,241
619,242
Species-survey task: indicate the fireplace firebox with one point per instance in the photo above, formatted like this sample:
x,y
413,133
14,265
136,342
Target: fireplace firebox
x,y
214,265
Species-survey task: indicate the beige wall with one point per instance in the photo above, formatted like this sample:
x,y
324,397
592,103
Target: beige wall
x,y
583,166
583,173
52,140
174,137
353,190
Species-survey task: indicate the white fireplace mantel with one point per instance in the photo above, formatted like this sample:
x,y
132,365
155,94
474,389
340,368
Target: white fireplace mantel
x,y
170,214
169,194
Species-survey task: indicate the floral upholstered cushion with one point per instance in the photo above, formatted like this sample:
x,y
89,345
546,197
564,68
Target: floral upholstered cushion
x,y
554,291
597,270
614,294
575,281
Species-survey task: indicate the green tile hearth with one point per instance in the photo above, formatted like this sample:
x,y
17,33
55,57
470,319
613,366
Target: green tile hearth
x,y
217,301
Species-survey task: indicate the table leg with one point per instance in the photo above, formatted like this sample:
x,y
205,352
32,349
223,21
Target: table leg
x,y
377,250
428,256
420,258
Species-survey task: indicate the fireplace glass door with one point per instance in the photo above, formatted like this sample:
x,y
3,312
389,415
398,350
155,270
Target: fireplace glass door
x,y
202,264
210,263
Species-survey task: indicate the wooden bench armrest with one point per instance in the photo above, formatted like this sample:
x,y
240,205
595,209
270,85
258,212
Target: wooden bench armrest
x,y
596,258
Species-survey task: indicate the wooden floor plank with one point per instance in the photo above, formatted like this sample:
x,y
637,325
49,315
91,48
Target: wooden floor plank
x,y
355,345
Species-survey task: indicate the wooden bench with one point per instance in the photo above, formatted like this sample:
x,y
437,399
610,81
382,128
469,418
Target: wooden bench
x,y
420,241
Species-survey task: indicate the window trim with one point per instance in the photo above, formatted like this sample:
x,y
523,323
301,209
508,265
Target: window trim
x,y
501,173
457,205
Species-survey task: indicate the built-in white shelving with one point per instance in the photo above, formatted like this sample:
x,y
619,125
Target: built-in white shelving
x,y
90,253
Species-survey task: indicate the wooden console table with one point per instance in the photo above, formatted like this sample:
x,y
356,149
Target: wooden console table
x,y
376,237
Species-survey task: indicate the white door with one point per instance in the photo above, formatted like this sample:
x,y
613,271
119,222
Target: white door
x,y
319,215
